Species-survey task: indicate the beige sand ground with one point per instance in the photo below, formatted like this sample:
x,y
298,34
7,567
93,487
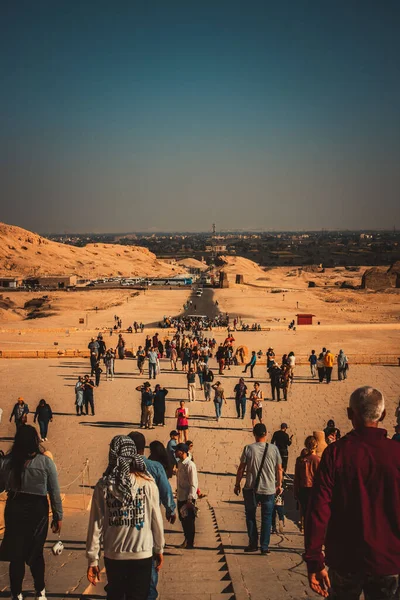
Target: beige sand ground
x,y
73,439
362,322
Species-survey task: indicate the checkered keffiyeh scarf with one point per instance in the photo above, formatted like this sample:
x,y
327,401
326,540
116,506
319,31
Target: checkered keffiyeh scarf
x,y
122,459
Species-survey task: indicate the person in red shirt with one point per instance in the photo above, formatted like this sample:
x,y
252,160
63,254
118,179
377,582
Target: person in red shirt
x,y
354,509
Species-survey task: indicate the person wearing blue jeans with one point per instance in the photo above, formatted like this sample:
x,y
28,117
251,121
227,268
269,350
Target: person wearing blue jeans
x,y
219,398
152,356
157,471
263,466
251,501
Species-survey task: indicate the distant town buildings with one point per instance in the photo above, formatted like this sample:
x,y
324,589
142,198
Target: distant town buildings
x,y
326,248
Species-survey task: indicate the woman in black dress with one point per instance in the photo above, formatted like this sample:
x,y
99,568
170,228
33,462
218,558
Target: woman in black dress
x,y
28,476
159,405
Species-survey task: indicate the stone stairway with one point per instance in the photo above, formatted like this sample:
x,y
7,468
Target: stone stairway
x,y
198,574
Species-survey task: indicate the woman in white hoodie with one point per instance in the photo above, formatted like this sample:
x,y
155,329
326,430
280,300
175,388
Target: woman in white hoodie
x,y
126,517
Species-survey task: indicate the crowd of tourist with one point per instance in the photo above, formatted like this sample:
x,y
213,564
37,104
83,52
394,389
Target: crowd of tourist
x,y
350,507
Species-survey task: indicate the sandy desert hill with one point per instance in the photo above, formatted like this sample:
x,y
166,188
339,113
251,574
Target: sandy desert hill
x,y
237,265
23,253
193,263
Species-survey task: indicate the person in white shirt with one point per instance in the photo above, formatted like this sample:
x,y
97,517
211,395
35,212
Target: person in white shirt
x,y
126,516
187,485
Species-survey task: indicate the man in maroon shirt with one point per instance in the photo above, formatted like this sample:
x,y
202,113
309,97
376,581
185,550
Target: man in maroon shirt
x,y
355,509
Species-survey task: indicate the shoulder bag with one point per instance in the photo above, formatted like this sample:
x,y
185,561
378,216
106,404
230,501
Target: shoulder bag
x,y
249,494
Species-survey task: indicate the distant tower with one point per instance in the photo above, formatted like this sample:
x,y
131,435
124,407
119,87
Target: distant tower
x,y
213,244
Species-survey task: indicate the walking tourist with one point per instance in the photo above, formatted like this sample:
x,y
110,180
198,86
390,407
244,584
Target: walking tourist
x,y
208,378
44,415
97,371
29,477
191,383
160,394
158,453
312,359
19,413
201,364
282,441
251,364
342,365
304,474
88,395
187,486
79,396
93,347
279,513
172,443
182,423
286,380
354,509
153,358
275,374
121,347
321,367
173,358
102,347
140,358
240,391
263,466
256,398
157,471
129,542
270,358
291,360
109,362
329,361
219,399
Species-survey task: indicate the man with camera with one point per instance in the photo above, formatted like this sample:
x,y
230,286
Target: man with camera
x,y
188,484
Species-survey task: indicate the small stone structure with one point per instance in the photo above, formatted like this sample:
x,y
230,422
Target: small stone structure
x,y
378,280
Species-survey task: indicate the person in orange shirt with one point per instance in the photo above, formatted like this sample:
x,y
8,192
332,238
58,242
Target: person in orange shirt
x,y
329,361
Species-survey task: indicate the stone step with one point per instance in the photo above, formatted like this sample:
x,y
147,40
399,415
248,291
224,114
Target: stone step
x,y
195,575
190,589
198,596
201,573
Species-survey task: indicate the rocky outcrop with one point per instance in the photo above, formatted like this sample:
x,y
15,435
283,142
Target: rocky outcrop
x,y
378,279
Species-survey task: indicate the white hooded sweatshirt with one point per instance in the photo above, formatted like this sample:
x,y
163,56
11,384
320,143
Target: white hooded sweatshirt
x,y
127,532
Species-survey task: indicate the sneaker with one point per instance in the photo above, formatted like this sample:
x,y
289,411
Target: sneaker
x,y
45,439
251,549
184,545
41,595
267,551
19,597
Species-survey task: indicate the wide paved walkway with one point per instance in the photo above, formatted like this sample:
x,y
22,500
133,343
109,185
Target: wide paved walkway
x,y
218,568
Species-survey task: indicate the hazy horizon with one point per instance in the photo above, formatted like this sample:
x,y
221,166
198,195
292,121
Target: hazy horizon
x,y
169,117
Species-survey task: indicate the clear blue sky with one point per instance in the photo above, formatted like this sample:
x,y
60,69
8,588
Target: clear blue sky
x,y
125,115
